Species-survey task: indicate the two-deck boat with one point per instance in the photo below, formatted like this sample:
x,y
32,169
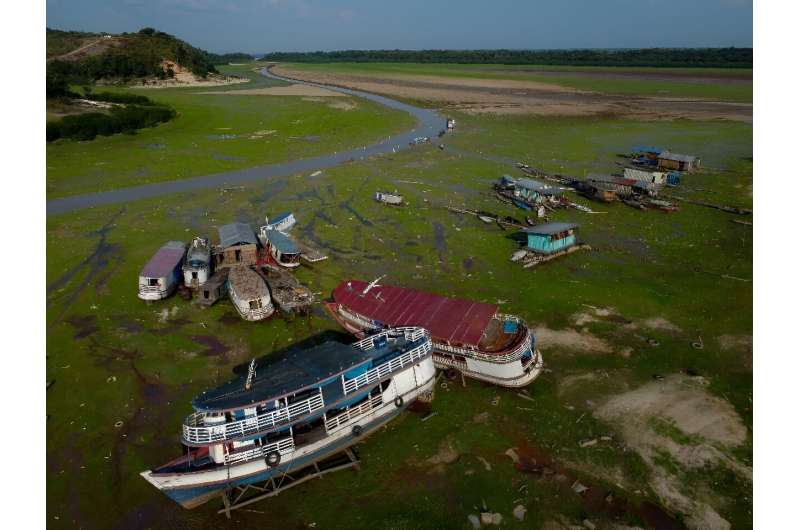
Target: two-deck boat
x,y
294,410
197,267
469,337
162,274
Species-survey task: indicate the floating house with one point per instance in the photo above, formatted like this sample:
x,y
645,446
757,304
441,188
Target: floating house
x,y
238,246
197,267
550,238
651,177
281,247
160,277
293,410
469,337
677,162
283,222
249,294
213,289
609,187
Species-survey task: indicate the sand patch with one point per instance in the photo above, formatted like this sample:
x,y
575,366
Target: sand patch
x,y
679,418
736,342
660,324
571,339
291,90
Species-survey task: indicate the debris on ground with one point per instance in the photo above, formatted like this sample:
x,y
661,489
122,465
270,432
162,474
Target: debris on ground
x,y
519,512
579,488
512,454
587,443
485,463
474,521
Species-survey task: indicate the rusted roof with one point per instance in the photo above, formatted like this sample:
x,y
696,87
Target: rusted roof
x,y
247,284
453,320
164,260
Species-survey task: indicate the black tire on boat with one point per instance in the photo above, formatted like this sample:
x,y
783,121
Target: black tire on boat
x,y
273,458
451,374
398,401
357,430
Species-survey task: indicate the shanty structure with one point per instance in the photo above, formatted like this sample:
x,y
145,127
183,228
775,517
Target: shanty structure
x,y
249,294
534,191
551,237
678,162
601,184
213,289
238,246
197,267
282,248
652,177
160,277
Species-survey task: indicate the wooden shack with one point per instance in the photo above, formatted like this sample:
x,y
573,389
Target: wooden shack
x,y
213,289
549,238
238,246
535,192
677,162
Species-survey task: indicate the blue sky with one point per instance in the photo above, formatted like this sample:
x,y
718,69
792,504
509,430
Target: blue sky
x,y
258,26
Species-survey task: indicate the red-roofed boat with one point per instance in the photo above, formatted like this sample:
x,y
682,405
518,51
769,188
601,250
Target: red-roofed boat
x,y
470,337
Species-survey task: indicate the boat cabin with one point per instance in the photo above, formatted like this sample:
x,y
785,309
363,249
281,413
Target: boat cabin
x,y
238,246
281,247
388,198
197,267
212,290
160,277
674,161
535,192
650,177
283,222
551,237
249,294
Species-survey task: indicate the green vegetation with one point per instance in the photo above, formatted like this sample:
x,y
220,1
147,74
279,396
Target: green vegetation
x,y
114,358
127,56
125,119
213,133
225,58
660,57
723,84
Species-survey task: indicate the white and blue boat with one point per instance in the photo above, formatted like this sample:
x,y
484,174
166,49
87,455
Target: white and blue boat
x,y
294,410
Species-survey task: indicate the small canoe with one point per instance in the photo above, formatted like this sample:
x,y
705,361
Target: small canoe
x,y
518,255
485,219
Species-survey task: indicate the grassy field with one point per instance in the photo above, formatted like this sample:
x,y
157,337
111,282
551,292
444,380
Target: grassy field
x,y
675,278
216,133
717,84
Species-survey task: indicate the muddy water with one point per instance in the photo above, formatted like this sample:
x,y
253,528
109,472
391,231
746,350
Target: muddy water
x,y
429,123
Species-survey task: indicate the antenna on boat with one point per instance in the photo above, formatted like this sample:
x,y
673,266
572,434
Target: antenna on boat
x,y
251,374
373,283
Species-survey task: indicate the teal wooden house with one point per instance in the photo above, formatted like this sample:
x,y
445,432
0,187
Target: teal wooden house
x,y
549,238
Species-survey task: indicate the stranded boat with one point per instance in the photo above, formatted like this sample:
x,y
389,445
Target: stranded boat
x,y
159,278
295,410
197,267
249,294
470,337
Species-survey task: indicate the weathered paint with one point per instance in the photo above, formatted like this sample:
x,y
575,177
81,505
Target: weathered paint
x,y
547,245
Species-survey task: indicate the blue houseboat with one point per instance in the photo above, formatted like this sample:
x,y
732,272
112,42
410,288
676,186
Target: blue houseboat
x,y
550,238
294,410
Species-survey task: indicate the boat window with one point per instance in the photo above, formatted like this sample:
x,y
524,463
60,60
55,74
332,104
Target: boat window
x,y
238,254
255,304
205,294
194,275
152,282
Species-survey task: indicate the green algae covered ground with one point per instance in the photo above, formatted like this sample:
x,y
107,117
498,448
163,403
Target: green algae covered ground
x,y
214,133
121,372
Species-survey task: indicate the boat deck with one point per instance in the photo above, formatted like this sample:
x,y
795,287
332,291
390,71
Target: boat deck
x,y
496,339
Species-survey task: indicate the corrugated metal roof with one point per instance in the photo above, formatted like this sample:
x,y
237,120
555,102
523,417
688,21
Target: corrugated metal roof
x,y
280,217
547,229
164,260
452,320
539,187
666,155
282,242
235,234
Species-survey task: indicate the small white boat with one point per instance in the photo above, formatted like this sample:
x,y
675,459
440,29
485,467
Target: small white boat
x,y
485,219
389,198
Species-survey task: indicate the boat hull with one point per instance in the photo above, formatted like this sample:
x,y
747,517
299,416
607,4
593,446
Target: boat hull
x,y
190,489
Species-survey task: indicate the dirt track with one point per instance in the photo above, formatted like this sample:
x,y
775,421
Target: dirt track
x,y
481,96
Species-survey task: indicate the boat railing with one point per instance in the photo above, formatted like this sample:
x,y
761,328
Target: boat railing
x,y
364,322
474,353
352,413
448,361
194,432
282,446
382,370
151,289
409,333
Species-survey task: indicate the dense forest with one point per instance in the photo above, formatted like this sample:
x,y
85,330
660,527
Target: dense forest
x,y
659,57
225,58
125,56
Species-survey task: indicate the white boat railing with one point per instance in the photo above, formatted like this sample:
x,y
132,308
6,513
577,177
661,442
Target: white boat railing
x,y
381,371
282,446
504,358
409,333
352,413
151,289
447,361
194,432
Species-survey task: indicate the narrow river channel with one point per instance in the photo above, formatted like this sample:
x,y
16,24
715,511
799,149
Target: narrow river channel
x,y
429,123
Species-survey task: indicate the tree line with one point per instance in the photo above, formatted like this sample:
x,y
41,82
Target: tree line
x,y
658,57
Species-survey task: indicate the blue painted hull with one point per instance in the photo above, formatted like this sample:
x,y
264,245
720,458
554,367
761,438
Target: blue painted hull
x,y
193,497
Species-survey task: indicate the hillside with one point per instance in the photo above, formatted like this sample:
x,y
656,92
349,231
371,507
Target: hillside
x,y
89,57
